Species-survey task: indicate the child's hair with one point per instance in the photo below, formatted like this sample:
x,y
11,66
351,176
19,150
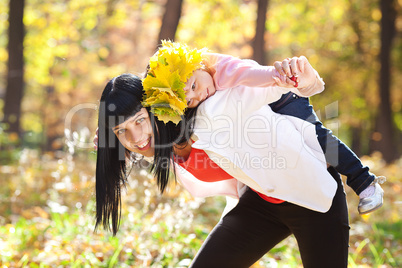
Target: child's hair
x,y
120,100
206,66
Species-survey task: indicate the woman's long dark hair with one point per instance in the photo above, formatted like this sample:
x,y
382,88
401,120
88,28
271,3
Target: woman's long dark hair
x,y
120,100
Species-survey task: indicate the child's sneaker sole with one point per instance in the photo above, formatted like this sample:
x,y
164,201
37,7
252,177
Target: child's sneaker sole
x,y
374,202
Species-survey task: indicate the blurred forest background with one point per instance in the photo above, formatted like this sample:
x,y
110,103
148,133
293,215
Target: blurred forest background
x,y
56,57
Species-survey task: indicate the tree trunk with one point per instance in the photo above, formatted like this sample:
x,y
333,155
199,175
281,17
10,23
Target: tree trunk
x,y
259,42
15,75
383,138
170,20
356,141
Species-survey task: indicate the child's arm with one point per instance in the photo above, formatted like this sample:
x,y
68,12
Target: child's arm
x,y
230,72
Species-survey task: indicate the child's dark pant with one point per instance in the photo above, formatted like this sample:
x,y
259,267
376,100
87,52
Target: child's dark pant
x,y
336,152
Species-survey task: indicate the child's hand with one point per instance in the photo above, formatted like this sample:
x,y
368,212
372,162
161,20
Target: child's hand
x,y
295,72
95,140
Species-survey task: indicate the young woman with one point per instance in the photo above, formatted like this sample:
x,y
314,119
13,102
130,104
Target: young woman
x,y
317,215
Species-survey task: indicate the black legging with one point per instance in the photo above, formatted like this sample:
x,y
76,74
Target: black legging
x,y
255,226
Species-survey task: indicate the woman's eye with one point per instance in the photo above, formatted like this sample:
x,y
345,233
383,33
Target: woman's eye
x,y
120,131
193,86
139,121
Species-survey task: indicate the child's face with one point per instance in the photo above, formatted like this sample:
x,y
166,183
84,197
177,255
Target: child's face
x,y
136,134
198,88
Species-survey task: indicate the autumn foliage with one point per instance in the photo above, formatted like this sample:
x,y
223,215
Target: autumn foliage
x,y
72,48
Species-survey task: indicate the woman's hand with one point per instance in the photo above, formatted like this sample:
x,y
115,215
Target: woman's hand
x,y
295,72
95,140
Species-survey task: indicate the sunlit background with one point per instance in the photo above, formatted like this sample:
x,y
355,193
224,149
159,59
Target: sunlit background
x,y
71,48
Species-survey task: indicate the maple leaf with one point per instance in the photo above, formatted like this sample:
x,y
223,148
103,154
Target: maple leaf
x,y
164,85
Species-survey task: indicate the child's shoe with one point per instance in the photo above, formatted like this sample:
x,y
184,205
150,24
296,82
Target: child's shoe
x,y
375,200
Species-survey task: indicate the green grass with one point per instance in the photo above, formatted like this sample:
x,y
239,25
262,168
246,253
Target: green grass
x,y
57,230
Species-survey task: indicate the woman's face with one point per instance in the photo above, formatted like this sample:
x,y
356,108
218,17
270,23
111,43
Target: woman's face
x,y
199,87
136,134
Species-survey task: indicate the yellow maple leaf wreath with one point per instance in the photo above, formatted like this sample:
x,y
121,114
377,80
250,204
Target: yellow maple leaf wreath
x,y
164,84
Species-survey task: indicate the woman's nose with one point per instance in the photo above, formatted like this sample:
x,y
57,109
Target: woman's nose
x,y
133,134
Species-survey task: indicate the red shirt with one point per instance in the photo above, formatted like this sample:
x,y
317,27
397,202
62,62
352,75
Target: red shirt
x,y
203,168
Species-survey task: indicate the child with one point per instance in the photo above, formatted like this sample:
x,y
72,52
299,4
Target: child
x,y
198,75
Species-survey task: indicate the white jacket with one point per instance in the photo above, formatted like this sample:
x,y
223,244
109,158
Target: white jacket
x,y
274,154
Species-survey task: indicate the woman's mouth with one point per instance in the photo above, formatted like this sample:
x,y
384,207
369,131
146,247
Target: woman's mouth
x,y
144,145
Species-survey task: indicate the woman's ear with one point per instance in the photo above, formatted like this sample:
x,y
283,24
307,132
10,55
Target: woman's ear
x,y
183,150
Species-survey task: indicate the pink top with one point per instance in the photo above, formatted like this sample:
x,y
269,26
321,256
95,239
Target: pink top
x,y
230,72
